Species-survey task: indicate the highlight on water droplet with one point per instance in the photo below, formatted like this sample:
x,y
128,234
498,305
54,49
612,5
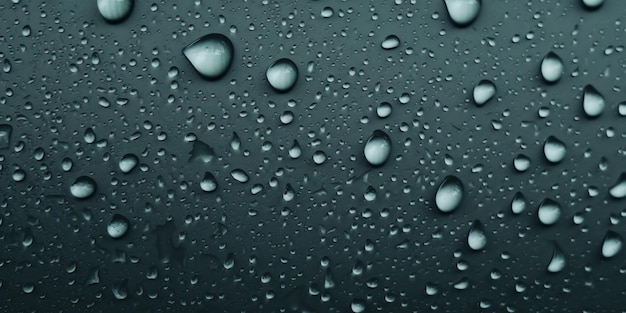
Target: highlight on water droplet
x,y
115,11
83,187
554,149
557,261
118,226
449,194
519,203
612,244
463,12
593,101
549,211
390,42
484,91
208,182
282,74
128,163
210,55
477,238
377,148
618,190
552,68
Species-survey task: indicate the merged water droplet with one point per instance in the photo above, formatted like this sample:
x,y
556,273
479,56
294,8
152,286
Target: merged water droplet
x,y
552,68
558,261
477,238
210,55
593,101
612,244
519,203
208,182
115,11
618,190
282,75
391,42
593,4
377,148
549,211
554,149
463,12
118,226
484,91
521,163
83,187
449,194
128,163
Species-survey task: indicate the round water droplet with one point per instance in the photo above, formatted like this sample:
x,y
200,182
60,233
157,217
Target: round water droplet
x,y
519,203
593,101
83,187
612,244
391,42
557,262
383,110
282,75
286,118
549,211
551,68
210,55
484,91
593,4
449,194
319,157
377,148
618,190
357,306
128,163
554,150
208,182
327,12
476,238
239,175
115,11
463,12
295,151
521,163
118,226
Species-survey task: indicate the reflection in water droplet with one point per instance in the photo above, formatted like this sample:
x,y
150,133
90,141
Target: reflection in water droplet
x,y
208,182
128,162
115,11
391,42
612,244
282,75
239,175
519,203
593,101
521,163
549,211
593,4
551,67
483,92
476,238
210,55
377,148
463,12
618,190
83,187
557,262
118,226
554,150
449,194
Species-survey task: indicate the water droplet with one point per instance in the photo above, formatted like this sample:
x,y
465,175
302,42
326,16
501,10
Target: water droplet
x,y
391,42
612,244
521,163
593,101
208,182
377,148
463,12
286,118
115,11
289,193
295,151
549,211
90,135
128,163
83,187
432,289
476,238
235,142
357,306
554,149
239,175
383,110
557,262
593,4
6,66
319,157
327,12
118,226
551,68
618,190
449,194
519,203
282,75
210,55
5,135
483,92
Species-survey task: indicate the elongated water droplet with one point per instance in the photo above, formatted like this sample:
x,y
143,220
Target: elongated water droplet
x,y
483,92
476,238
295,151
235,142
210,55
593,4
551,68
593,101
282,75
115,11
449,194
83,187
612,244
90,135
208,182
128,163
558,261
519,203
377,148
5,135
618,190
391,42
521,163
463,12
239,175
549,211
554,149
118,226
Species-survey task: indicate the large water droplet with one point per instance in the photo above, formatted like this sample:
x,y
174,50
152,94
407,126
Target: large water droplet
x,y
554,149
483,92
295,151
463,12
519,203
115,11
211,55
118,226
377,148
551,67
357,306
618,190
83,187
612,244
128,163
549,211
521,163
449,194
239,175
391,42
282,75
557,262
476,238
208,182
593,101
593,4
383,110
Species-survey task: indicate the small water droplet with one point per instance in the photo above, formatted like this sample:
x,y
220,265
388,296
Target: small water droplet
x,y
449,194
476,238
6,66
210,55
128,163
551,68
239,175
377,148
282,75
519,203
463,12
115,11
612,244
593,101
208,182
618,190
83,187
521,163
549,211
593,4
118,226
557,262
484,91
391,42
554,149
